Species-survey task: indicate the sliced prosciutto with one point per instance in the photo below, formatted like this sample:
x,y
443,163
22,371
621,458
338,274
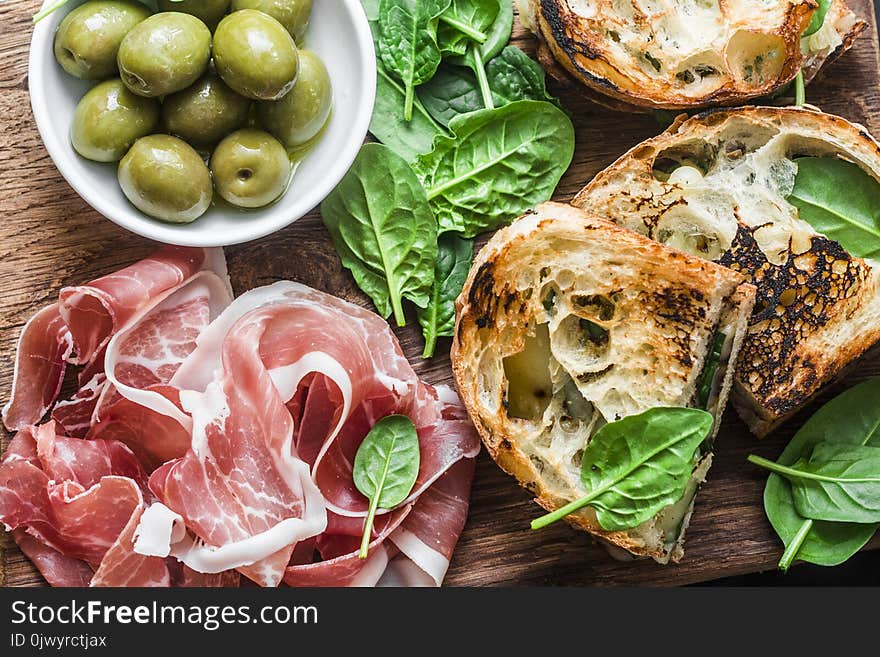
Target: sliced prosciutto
x,y
213,440
79,327
73,495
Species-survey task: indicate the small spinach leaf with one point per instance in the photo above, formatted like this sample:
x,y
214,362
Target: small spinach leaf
x,y
839,483
841,201
478,54
386,467
454,256
707,376
638,465
383,230
406,138
465,21
851,418
408,42
818,18
512,76
499,163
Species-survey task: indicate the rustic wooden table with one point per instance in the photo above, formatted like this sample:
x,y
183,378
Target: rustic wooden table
x,y
49,237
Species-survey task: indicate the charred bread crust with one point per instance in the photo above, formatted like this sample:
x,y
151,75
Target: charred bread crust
x,y
673,300
623,56
817,307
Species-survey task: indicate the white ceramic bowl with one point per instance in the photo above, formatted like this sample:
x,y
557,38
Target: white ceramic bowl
x,y
338,32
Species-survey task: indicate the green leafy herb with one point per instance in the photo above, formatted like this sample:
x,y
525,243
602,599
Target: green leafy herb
x,y
499,163
512,76
477,54
454,256
839,483
386,467
707,376
841,201
800,93
636,466
465,21
408,42
851,418
406,138
818,18
383,230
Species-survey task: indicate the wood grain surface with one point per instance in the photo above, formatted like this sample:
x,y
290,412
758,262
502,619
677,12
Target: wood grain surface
x,y
49,237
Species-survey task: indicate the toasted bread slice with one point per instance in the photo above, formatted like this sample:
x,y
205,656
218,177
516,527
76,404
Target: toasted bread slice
x,y
818,308
683,55
567,321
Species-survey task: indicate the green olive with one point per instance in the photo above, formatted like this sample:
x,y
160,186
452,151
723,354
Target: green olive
x,y
165,178
250,168
109,119
88,38
300,115
205,112
208,11
165,53
255,55
292,14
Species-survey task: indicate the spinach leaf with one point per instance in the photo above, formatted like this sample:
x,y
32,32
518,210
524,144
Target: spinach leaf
x,y
371,9
638,465
383,230
465,21
386,467
512,76
408,42
818,18
499,163
477,54
841,201
406,138
851,418
707,376
839,483
454,256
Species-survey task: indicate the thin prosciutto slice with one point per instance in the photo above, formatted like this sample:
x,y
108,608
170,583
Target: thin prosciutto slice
x,y
73,495
44,346
78,329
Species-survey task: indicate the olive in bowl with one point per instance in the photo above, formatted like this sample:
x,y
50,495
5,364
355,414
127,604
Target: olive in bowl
x,y
164,177
255,55
109,119
292,14
205,112
299,116
208,11
88,39
251,168
165,53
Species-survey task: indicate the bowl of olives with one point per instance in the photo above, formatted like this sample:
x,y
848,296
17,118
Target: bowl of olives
x,y
203,122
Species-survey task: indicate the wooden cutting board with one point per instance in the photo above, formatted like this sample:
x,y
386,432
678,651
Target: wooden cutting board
x,y
49,237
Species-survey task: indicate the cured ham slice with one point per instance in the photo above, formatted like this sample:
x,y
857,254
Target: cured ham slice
x,y
74,415
246,415
122,566
80,326
56,568
94,312
73,495
40,362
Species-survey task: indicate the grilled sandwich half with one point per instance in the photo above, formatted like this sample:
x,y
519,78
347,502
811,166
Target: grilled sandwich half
x,y
567,322
720,186
681,54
